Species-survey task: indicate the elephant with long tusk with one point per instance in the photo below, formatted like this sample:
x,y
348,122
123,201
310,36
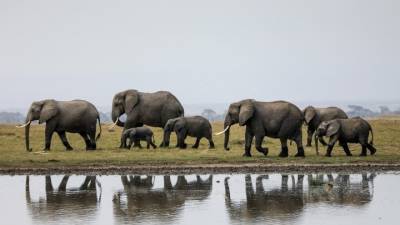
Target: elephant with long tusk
x,y
76,116
280,119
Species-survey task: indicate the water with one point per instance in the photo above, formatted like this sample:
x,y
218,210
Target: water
x,y
208,199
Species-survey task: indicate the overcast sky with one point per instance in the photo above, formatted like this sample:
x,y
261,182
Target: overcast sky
x,y
208,51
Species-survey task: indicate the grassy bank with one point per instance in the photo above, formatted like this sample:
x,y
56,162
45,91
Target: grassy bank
x,y
13,154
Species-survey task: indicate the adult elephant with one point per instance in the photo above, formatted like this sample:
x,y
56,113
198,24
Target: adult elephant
x,y
313,117
151,109
75,116
277,119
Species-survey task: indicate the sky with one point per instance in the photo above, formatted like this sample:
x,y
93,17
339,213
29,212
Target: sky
x,y
204,52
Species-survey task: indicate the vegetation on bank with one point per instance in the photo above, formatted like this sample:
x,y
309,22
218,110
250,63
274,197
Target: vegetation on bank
x,y
13,153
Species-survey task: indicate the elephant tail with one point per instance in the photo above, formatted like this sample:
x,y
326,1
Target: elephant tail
x,y
154,140
372,133
99,135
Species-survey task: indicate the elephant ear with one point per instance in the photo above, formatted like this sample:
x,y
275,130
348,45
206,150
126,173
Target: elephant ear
x,y
131,100
179,125
333,128
309,114
49,110
246,112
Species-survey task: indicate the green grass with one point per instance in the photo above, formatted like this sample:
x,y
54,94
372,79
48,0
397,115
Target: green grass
x,y
13,154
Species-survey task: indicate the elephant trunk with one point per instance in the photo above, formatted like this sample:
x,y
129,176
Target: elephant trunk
x,y
27,128
227,127
316,144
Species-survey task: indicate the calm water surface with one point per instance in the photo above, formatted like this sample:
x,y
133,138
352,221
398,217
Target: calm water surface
x,y
207,199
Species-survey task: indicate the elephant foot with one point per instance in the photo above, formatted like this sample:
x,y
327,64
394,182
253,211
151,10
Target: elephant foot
x,y
300,153
247,154
69,149
363,155
211,147
328,155
195,146
373,151
284,152
46,149
349,154
90,149
309,145
263,151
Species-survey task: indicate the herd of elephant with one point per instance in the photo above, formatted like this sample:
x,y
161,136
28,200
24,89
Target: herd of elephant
x,y
280,119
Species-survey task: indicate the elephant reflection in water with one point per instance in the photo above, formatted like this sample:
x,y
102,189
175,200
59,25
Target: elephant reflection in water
x,y
287,202
140,199
275,203
340,190
80,202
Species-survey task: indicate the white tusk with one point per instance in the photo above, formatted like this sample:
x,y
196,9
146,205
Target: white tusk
x,y
24,125
223,131
113,125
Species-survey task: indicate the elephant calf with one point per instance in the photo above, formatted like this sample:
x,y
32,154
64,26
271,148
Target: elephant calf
x,y
355,130
196,126
136,135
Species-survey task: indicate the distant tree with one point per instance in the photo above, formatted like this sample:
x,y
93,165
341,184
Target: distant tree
x,y
105,117
209,114
11,117
385,110
356,110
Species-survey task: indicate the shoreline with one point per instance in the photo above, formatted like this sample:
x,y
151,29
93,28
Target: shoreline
x,y
202,169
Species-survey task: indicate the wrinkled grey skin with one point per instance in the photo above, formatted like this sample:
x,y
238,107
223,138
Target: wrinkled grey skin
x,y
279,119
313,117
355,130
75,116
151,109
138,134
196,126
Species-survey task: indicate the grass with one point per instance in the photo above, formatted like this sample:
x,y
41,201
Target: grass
x,y
13,153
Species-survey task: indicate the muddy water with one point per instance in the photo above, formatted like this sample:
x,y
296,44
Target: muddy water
x,y
207,199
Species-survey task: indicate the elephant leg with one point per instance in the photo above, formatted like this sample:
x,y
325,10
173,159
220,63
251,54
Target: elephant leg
x,y
364,150
371,148
86,138
310,134
329,151
332,142
181,139
210,140
49,184
196,145
285,151
345,148
248,141
259,141
63,184
137,143
152,144
64,140
299,143
92,138
48,135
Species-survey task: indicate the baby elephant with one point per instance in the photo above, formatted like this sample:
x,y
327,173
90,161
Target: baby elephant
x,y
136,135
355,130
196,126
